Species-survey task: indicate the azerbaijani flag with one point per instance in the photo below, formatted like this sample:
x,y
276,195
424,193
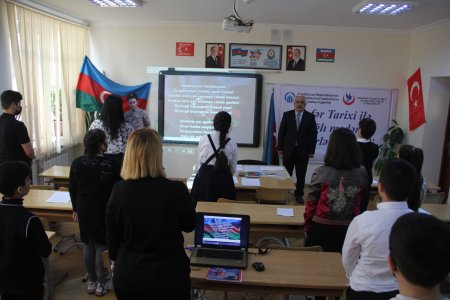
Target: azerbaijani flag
x,y
93,87
270,151
239,51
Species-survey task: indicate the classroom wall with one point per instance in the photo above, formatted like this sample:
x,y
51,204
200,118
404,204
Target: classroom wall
x,y
430,50
364,58
5,70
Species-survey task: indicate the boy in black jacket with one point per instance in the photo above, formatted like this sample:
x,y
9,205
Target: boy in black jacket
x,y
22,238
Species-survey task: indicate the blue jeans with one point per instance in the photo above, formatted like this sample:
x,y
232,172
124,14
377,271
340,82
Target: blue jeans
x,y
92,254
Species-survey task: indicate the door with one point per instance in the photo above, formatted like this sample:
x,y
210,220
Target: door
x,y
444,178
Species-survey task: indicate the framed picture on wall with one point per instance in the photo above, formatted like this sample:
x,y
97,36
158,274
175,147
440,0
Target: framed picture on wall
x,y
295,58
214,55
255,56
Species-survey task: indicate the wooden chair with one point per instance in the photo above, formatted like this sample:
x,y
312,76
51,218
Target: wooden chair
x,y
41,187
224,200
271,196
434,198
252,162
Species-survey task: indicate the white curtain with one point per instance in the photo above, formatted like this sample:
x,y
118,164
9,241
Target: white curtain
x,y
47,56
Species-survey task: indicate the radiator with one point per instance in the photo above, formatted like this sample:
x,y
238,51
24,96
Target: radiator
x,y
64,158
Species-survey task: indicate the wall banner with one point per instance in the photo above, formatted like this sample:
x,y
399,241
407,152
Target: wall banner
x,y
336,107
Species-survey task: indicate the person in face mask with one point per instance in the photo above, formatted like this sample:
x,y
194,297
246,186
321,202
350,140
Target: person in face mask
x,y
14,140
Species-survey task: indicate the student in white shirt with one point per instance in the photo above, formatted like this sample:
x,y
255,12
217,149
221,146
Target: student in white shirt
x,y
365,249
419,246
217,162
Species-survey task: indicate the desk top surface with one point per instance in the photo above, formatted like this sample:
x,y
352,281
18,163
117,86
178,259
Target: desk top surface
x,y
272,177
291,269
440,211
59,172
36,199
261,214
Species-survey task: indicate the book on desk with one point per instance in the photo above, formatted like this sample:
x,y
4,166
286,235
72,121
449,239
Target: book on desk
x,y
224,274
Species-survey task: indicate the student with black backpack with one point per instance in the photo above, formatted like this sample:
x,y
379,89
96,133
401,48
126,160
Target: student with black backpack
x,y
217,162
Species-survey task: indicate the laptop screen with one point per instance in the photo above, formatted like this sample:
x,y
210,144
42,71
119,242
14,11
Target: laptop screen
x,y
222,231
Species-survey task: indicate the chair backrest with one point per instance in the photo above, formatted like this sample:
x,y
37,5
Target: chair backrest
x,y
41,187
268,195
434,198
224,200
250,162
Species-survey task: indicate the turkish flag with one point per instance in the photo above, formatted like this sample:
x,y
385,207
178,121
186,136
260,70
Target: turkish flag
x,y
185,49
415,96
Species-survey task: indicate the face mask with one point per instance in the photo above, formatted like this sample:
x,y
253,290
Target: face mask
x,y
18,110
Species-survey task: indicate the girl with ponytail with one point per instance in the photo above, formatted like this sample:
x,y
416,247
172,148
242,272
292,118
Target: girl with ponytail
x,y
217,162
415,157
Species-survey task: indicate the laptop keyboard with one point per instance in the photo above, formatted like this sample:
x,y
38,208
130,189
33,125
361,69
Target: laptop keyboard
x,y
219,254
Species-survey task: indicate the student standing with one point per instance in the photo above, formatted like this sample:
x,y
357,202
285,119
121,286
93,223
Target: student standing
x,y
369,151
419,246
336,191
217,162
92,177
112,122
414,155
145,218
15,143
365,249
22,238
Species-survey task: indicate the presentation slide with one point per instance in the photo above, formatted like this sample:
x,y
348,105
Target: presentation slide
x,y
188,102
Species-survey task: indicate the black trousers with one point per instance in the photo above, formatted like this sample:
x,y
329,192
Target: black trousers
x,y
364,295
34,292
300,163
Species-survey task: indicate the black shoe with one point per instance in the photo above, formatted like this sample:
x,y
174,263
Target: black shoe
x,y
300,200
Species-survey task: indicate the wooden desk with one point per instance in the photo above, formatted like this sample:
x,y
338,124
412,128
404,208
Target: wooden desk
x,y
287,272
58,174
35,202
264,220
440,211
276,180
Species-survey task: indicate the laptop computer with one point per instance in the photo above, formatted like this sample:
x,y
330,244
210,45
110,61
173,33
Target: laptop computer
x,y
221,240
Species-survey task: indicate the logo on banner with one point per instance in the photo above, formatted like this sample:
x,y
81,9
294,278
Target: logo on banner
x,y
348,99
289,97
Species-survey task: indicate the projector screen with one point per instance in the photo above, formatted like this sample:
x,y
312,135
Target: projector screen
x,y
188,102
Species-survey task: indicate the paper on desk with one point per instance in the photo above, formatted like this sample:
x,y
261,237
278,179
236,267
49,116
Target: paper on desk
x,y
285,212
271,168
374,182
250,181
240,168
235,180
59,197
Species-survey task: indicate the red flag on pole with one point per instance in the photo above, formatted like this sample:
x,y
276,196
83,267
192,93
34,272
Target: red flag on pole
x,y
415,96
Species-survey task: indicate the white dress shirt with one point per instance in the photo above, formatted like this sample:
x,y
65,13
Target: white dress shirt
x,y
366,248
401,297
205,150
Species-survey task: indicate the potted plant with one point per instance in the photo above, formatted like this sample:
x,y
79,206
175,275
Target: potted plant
x,y
391,141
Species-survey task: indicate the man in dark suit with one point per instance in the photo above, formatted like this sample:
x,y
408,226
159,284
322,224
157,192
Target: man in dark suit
x,y
213,60
297,139
297,64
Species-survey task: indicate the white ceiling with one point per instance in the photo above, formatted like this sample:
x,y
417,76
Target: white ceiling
x,y
329,13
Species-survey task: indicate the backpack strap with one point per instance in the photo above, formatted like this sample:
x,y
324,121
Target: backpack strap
x,y
216,151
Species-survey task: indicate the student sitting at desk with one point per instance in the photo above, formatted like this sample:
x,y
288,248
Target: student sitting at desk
x,y
145,217
92,177
419,246
22,238
365,249
217,159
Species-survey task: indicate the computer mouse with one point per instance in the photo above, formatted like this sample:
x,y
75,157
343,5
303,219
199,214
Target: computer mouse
x,y
258,266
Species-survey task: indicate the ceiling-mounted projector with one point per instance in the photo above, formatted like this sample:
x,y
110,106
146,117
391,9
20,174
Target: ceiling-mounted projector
x,y
233,23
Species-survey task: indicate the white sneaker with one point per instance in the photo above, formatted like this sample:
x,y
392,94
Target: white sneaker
x,y
92,286
101,289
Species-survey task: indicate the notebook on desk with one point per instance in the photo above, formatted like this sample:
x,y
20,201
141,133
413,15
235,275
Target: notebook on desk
x,y
221,240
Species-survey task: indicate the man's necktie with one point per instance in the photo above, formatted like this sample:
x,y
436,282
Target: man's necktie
x,y
297,119
293,67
